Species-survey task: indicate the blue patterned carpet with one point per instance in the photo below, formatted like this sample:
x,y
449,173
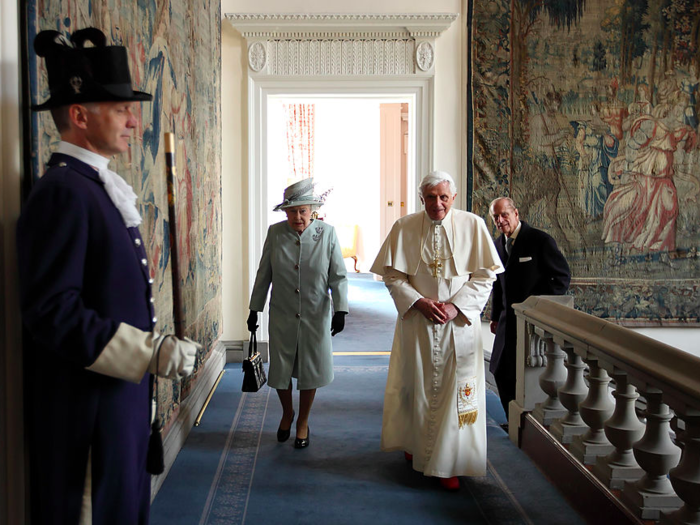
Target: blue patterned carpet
x,y
233,471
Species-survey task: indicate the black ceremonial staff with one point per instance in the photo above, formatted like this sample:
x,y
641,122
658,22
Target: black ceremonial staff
x,y
172,230
155,461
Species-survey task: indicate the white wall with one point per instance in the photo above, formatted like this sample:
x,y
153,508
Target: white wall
x,y
686,339
234,186
448,124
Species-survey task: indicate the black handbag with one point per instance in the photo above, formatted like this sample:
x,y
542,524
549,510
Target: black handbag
x,y
254,372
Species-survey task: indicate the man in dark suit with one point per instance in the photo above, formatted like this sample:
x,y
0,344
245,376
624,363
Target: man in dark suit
x,y
87,300
534,266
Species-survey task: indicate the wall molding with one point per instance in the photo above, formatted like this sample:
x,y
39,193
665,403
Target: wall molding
x,y
236,351
315,25
341,44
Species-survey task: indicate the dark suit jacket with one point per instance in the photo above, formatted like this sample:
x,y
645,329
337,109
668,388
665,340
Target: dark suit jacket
x,y
81,273
535,267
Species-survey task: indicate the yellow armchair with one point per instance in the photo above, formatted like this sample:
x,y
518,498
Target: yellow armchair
x,y
347,235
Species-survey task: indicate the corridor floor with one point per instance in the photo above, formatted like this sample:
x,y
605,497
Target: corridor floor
x,y
232,470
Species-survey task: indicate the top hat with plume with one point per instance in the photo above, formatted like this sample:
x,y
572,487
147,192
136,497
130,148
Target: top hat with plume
x,y
80,74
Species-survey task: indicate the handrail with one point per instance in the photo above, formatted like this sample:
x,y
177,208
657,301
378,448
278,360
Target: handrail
x,y
673,371
654,461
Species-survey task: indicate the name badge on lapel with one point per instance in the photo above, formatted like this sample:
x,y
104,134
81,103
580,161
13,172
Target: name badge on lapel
x,y
524,259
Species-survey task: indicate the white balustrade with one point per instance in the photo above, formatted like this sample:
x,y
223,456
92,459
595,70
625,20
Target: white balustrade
x,y
623,429
656,454
685,478
640,457
551,380
571,394
595,410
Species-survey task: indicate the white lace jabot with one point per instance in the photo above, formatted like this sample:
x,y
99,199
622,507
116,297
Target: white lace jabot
x,y
117,188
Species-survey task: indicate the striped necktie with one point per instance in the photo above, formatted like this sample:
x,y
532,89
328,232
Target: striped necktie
x,y
509,245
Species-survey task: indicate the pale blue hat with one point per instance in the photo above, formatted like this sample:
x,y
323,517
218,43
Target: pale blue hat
x,y
299,194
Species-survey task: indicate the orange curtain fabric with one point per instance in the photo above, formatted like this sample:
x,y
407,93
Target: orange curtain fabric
x,y
300,140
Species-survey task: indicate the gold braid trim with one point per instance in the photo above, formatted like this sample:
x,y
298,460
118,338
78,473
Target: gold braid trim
x,y
468,418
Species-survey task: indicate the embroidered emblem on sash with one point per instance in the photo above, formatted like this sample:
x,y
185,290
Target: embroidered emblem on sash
x,y
467,402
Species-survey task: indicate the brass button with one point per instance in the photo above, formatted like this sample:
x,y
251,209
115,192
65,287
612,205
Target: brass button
x,y
298,316
150,281
144,262
296,291
155,319
152,300
62,164
137,242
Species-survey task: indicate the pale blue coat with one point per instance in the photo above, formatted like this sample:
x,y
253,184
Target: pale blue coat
x,y
306,271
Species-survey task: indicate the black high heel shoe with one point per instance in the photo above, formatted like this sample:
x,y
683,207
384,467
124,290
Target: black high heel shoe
x,y
283,435
303,442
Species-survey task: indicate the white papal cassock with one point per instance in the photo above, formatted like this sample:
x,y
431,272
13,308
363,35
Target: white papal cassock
x,y
451,261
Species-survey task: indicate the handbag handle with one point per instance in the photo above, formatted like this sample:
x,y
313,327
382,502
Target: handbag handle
x,y
253,345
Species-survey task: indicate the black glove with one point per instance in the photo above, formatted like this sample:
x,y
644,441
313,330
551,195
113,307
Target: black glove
x,y
252,321
338,323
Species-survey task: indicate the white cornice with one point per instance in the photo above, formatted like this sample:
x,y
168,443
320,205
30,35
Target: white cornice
x,y
337,26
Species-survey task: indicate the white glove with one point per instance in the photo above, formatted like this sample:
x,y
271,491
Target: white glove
x,y
173,358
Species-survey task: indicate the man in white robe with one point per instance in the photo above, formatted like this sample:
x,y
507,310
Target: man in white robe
x,y
439,266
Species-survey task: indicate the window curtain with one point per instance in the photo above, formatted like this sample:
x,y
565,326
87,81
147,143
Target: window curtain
x,y
300,140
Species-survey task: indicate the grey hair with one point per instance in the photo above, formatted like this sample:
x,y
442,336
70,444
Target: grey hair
x,y
511,203
434,178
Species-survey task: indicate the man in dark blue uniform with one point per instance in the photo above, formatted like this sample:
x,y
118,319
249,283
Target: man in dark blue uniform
x,y
87,301
534,266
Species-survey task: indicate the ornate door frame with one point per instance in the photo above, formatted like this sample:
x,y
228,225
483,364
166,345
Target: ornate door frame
x,y
335,55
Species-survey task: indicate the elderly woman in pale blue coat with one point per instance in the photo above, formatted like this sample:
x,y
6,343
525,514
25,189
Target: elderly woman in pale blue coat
x,y
303,261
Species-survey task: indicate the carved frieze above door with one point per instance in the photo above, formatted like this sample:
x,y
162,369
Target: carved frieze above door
x,y
341,44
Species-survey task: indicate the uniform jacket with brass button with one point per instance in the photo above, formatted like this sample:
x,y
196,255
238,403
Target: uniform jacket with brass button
x,y
82,273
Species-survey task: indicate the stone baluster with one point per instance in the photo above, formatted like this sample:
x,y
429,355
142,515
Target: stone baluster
x,y
685,478
623,429
595,410
551,379
656,454
571,394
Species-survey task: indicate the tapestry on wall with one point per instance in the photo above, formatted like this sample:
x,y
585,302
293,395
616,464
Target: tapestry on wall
x,y
586,114
175,55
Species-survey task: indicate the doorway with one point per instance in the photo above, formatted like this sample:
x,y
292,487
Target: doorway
x,y
265,189
358,150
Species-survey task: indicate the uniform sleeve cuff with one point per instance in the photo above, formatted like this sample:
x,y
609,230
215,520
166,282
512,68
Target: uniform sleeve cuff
x,y
126,356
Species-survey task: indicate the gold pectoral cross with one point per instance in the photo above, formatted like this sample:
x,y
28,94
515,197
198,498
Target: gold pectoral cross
x,y
436,266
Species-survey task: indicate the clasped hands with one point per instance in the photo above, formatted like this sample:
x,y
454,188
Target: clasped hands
x,y
435,311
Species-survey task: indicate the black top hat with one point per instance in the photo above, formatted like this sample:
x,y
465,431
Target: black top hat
x,y
80,74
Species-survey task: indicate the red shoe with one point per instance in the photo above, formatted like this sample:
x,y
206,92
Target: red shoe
x,y
450,483
409,457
